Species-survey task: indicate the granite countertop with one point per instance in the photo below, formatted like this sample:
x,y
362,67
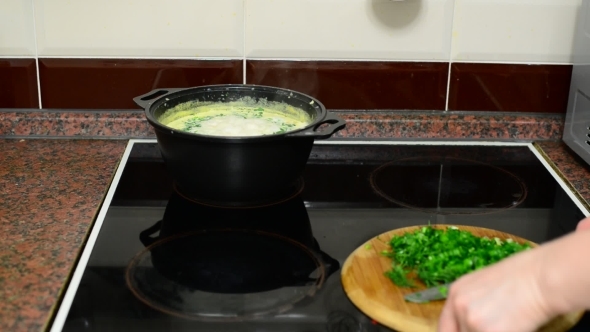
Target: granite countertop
x,y
50,193
51,189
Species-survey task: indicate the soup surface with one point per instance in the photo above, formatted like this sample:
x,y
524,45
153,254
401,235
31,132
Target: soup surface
x,y
240,118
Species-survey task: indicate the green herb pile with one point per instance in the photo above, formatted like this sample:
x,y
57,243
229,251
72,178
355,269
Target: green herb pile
x,y
437,256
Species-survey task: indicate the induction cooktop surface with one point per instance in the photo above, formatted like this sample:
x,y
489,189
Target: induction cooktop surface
x,y
156,260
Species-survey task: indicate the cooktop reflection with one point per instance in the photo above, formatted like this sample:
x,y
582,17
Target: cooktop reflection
x,y
157,261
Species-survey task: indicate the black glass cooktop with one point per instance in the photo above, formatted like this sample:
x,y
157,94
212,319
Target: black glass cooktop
x,y
162,262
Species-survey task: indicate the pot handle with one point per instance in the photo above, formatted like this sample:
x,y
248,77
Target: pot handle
x,y
144,100
331,265
335,123
146,235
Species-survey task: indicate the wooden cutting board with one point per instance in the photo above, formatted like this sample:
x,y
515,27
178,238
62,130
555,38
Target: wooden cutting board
x,y
379,298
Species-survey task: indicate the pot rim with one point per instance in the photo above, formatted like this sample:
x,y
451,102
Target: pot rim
x,y
151,100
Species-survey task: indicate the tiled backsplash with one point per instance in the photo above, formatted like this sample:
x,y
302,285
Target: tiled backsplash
x,y
488,55
358,84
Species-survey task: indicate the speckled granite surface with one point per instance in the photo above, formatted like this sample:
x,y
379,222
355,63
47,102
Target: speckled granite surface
x,y
50,191
451,125
374,124
572,168
106,124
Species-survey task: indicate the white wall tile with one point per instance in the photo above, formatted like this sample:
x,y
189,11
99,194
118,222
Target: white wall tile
x,y
349,29
138,28
514,30
16,28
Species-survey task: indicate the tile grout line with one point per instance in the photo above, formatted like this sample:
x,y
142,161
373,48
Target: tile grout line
x,y
17,56
245,4
214,58
36,55
131,57
323,59
450,55
448,86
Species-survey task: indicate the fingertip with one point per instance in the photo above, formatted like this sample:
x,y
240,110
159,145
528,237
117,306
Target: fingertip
x,y
447,321
584,224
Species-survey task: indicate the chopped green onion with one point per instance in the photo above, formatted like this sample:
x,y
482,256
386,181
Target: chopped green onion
x,y
437,256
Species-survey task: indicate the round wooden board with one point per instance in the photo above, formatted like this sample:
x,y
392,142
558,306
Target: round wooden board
x,y
379,298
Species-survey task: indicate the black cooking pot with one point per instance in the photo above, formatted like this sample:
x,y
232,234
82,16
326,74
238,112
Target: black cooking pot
x,y
236,171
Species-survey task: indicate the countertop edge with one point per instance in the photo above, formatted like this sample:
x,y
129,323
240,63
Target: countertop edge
x,y
51,193
63,289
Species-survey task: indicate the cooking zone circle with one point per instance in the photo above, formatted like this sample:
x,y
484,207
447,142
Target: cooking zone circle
x,y
288,194
448,185
224,275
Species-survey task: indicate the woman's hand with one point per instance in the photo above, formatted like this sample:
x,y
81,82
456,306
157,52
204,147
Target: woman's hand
x,y
504,297
522,292
583,225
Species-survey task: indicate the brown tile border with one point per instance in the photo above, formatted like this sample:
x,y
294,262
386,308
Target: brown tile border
x,y
509,87
343,85
113,83
123,124
18,83
358,84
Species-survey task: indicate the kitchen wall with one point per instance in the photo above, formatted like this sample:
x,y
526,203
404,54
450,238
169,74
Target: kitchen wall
x,y
475,55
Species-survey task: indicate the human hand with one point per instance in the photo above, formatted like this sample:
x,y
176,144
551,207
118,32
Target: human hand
x,y
524,291
504,297
583,225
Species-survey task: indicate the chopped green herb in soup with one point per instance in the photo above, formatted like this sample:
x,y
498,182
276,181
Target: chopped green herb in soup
x,y
240,118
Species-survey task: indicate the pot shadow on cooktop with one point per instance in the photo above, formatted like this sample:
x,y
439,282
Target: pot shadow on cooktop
x,y
218,264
